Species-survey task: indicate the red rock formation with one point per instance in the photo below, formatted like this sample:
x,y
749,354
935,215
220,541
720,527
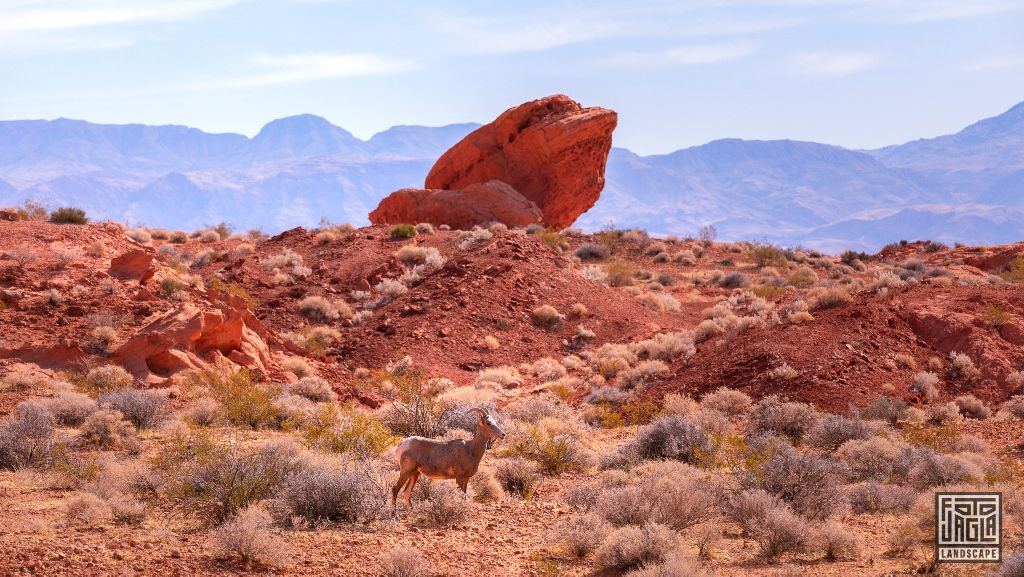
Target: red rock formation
x,y
134,264
551,150
476,204
190,338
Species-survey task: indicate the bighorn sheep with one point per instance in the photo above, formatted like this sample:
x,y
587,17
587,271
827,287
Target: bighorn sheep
x,y
457,459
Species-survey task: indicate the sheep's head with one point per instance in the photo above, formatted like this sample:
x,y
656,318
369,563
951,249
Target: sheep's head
x,y
487,424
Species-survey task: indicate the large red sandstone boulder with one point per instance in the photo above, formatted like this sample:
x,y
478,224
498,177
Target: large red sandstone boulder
x,y
552,150
134,264
492,201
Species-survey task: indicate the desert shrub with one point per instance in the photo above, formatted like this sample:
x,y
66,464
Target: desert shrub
x,y
551,444
537,408
314,389
144,409
216,479
333,489
70,408
874,458
203,412
734,280
243,401
772,414
874,497
404,561
69,215
446,506
728,401
833,430
838,543
591,251
139,235
249,537
665,346
323,310
926,383
642,374
783,372
415,407
674,565
108,378
904,539
107,428
886,408
747,508
26,437
517,477
485,487
88,510
594,274
580,535
781,531
827,298
944,414
298,366
961,367
973,407
810,484
767,255
632,547
402,231
673,437
707,329
680,499
932,469
624,505
547,316
350,430
425,228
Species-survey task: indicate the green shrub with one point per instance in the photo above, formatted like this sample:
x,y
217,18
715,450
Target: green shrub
x,y
244,402
403,231
69,215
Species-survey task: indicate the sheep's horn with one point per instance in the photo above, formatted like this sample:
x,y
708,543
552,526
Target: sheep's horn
x,y
482,412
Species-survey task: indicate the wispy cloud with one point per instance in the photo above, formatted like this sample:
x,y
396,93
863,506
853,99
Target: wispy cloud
x,y
488,36
995,63
835,63
685,55
21,16
272,70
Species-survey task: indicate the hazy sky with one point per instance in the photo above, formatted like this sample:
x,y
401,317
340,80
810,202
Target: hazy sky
x,y
860,73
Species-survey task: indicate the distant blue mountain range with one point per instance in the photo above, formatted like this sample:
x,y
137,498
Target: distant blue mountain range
x,y
965,187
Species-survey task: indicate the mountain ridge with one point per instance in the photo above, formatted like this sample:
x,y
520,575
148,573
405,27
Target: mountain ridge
x,y
785,191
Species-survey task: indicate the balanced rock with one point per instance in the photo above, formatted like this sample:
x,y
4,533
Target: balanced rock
x,y
478,203
551,150
542,161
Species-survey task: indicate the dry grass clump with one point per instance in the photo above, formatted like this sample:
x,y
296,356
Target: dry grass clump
x,y
535,409
973,407
675,565
833,430
886,408
926,383
580,535
140,235
314,389
517,476
828,297
838,543
88,510
485,488
203,412
873,497
807,482
547,317
632,547
728,401
320,309
590,251
404,561
961,367
108,378
249,537
298,366
469,239
673,437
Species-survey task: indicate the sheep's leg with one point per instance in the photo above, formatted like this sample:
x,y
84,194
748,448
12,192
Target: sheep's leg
x,y
462,482
402,479
408,489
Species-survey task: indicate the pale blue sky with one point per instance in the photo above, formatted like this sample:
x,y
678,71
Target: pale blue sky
x,y
859,73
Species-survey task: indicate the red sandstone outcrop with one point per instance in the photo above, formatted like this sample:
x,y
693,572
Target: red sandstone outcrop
x,y
134,264
492,201
551,151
